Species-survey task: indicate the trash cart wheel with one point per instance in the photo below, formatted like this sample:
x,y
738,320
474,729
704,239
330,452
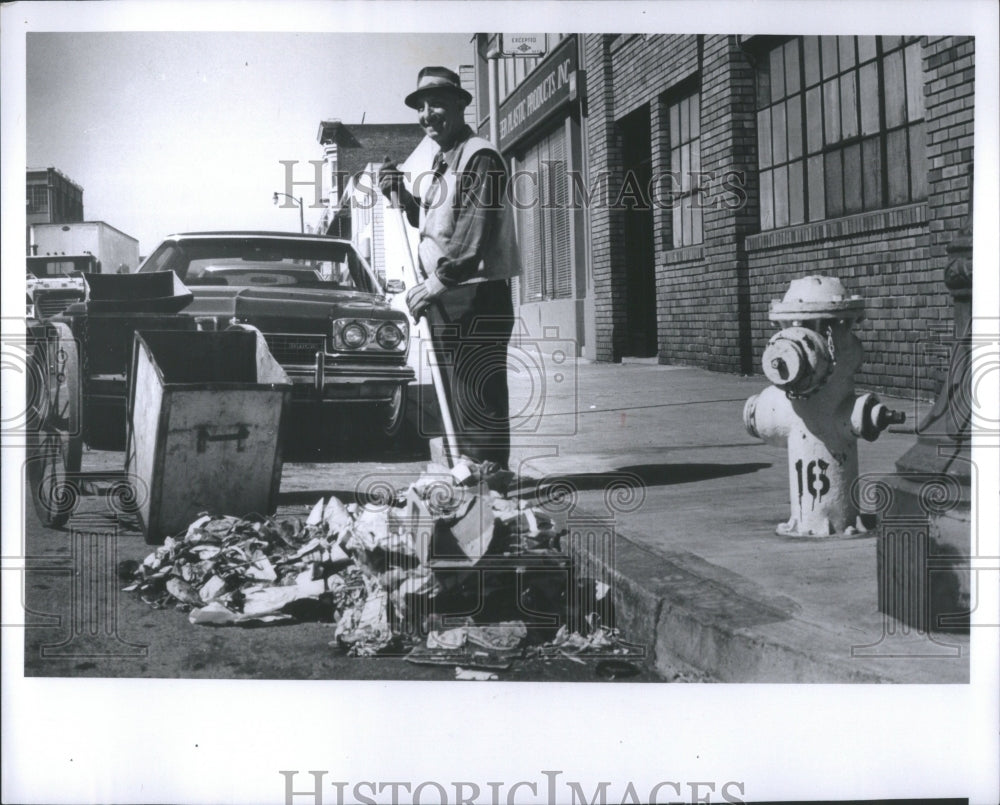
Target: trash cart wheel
x,y
55,445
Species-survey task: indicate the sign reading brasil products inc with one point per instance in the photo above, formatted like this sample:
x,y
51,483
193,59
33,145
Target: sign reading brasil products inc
x,y
544,91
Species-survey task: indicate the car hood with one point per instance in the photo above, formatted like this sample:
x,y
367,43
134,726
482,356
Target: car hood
x,y
292,302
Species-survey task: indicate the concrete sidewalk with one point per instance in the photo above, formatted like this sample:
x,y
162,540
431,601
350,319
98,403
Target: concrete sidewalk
x,y
657,458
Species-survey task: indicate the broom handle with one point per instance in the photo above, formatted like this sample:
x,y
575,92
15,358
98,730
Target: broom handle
x,y
424,331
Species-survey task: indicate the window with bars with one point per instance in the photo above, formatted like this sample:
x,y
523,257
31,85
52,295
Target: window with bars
x,y
543,220
38,198
685,165
840,127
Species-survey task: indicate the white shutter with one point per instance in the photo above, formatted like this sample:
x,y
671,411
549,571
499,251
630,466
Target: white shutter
x,y
560,268
528,231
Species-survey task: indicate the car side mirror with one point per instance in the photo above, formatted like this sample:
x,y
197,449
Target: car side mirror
x,y
395,286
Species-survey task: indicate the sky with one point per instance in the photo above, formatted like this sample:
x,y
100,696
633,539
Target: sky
x,y
175,131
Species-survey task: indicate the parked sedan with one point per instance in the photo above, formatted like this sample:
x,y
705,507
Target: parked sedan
x,y
320,308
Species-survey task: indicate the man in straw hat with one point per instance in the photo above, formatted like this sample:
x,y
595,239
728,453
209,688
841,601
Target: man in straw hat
x,y
468,254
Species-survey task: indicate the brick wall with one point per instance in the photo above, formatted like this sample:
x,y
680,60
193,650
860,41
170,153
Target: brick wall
x,y
644,66
712,299
882,256
949,95
703,310
606,226
702,291
623,73
894,258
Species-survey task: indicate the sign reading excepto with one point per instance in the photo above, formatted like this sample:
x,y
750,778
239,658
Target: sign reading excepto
x,y
550,86
522,44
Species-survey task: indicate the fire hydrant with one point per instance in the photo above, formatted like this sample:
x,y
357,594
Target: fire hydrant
x,y
812,406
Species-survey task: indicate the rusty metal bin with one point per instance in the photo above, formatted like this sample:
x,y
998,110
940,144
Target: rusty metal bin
x,y
204,427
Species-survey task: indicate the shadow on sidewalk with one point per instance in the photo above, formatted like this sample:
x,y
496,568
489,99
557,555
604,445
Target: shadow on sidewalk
x,y
639,475
621,481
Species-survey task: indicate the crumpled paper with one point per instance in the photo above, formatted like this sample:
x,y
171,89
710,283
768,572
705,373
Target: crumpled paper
x,y
600,640
505,636
364,628
364,565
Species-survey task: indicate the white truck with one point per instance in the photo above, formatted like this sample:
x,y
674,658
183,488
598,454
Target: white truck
x,y
59,255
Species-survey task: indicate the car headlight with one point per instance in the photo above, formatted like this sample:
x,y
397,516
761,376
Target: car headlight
x,y
370,336
354,335
389,336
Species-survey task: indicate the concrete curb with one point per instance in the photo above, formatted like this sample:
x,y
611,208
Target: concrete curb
x,y
692,615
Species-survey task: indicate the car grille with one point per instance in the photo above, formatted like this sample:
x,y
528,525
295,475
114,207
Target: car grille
x,y
295,348
52,303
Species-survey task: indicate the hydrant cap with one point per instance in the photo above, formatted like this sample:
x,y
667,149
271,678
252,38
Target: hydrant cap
x,y
817,297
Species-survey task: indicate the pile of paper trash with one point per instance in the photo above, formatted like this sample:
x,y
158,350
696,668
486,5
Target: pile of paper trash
x,y
368,568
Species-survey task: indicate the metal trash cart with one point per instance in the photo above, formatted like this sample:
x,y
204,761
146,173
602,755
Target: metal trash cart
x,y
204,434
79,385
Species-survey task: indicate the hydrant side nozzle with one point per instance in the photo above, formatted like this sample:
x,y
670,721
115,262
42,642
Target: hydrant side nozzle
x,y
768,416
870,417
889,416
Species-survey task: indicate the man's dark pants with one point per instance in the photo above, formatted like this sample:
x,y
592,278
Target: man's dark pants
x,y
470,337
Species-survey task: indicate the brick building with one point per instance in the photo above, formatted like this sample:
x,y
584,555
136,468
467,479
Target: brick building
x,y
51,198
849,156
348,150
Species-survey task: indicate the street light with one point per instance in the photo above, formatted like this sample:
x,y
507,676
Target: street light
x,y
302,218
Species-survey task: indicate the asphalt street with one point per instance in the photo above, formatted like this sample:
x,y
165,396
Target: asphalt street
x,y
655,458
79,623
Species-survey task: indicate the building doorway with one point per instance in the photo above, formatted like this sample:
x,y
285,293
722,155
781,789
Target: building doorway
x,y
640,264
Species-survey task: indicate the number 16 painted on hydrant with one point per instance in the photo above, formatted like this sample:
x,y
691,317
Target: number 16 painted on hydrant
x,y
812,406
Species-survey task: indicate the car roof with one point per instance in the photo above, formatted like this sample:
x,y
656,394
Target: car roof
x,y
234,233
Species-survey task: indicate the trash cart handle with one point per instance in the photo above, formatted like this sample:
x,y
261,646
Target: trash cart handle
x,y
240,436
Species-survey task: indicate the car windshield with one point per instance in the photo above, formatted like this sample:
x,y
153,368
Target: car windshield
x,y
262,262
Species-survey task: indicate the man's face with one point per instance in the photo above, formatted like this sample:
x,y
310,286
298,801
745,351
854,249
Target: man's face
x,y
441,116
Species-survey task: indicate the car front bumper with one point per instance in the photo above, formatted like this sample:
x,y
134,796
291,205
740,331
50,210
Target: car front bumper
x,y
331,388
337,383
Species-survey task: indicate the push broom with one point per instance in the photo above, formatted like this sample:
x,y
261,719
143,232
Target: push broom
x,y
432,316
